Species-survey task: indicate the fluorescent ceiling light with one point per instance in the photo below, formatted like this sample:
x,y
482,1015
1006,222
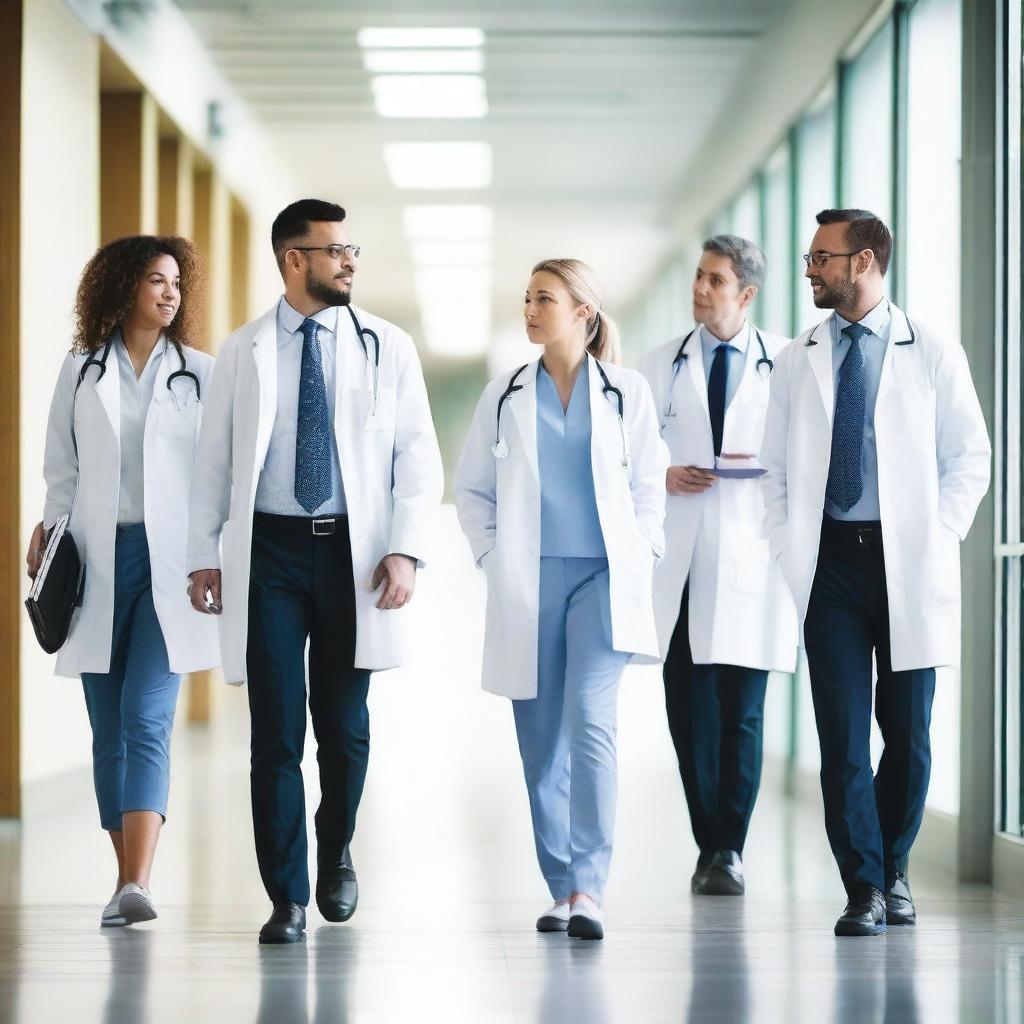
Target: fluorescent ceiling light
x,y
439,164
455,308
449,223
413,61
385,38
442,253
429,95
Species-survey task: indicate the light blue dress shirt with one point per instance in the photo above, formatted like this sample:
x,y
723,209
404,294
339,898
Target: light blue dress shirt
x,y
136,396
569,523
275,492
873,344
736,357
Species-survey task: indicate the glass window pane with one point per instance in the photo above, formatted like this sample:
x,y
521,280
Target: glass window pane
x,y
815,190
778,245
933,166
866,172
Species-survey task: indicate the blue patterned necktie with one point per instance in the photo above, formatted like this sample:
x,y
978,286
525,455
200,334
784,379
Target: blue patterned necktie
x,y
845,471
716,394
313,427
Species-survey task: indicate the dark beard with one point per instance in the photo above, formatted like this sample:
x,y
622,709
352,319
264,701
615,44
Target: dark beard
x,y
842,293
322,291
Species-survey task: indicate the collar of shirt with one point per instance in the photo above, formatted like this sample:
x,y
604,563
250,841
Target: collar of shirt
x,y
122,352
709,342
877,322
290,319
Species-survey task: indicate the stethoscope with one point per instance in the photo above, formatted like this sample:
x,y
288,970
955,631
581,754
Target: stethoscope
x,y
763,367
500,448
183,373
906,341
363,333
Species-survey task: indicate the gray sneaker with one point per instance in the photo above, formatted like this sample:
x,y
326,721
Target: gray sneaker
x,y
110,916
724,876
135,904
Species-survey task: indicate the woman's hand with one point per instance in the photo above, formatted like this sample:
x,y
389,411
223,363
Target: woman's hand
x,y
36,547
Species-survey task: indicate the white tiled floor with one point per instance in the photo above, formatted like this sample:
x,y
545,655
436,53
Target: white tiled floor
x,y
450,890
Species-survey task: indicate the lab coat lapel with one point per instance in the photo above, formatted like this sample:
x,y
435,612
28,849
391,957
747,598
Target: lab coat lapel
x,y
899,335
264,345
695,368
749,378
524,410
819,355
108,387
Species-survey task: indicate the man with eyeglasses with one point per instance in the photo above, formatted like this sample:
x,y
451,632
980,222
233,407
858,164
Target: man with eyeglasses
x,y
877,458
316,483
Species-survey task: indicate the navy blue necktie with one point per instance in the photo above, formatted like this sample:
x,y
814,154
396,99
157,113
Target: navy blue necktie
x,y
716,394
313,427
845,470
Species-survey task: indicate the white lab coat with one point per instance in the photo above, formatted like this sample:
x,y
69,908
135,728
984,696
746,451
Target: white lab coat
x,y
933,470
390,465
498,503
740,609
85,481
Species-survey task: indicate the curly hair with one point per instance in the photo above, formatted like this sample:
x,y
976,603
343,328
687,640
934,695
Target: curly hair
x,y
106,291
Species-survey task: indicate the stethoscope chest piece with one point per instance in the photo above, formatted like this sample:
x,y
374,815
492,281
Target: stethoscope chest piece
x,y
500,449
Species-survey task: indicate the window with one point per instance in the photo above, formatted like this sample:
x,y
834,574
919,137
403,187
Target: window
x,y
866,102
815,190
779,251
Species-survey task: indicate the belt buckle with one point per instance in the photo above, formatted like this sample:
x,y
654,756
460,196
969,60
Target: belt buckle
x,y
864,537
328,527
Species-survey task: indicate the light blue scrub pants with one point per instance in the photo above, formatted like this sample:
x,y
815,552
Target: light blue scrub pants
x,y
567,732
131,707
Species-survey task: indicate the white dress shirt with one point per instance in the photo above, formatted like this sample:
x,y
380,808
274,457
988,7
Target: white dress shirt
x,y
275,492
136,395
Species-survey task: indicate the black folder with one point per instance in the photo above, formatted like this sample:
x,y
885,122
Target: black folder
x,y
57,589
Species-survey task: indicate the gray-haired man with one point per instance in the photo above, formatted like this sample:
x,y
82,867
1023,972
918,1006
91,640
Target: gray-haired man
x,y
725,616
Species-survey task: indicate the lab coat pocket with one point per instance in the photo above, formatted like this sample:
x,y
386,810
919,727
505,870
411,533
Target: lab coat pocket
x,y
380,414
181,423
747,560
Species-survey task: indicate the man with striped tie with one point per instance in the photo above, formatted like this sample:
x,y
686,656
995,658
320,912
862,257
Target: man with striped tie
x,y
877,458
316,482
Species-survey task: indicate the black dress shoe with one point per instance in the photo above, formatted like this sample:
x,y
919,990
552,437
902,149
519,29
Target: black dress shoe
x,y
865,912
724,876
337,890
899,904
700,872
286,924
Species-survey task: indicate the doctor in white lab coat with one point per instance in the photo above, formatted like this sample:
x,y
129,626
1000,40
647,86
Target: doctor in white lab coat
x,y
725,615
560,491
120,446
318,479
877,457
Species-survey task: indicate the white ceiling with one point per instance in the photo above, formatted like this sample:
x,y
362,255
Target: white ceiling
x,y
596,111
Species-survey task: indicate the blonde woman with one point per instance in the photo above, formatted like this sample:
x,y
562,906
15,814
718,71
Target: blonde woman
x,y
560,491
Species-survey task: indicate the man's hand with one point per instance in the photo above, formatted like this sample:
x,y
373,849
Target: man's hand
x,y
398,574
688,479
36,549
201,581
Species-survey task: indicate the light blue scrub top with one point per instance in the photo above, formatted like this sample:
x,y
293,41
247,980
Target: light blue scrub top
x,y
569,523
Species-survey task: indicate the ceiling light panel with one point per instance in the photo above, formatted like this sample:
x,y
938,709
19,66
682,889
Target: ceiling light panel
x,y
423,61
443,96
455,222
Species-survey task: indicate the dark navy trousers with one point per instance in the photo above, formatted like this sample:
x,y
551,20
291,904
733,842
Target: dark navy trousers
x,y
872,819
716,718
301,589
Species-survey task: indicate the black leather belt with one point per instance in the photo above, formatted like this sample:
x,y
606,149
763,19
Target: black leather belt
x,y
301,526
862,535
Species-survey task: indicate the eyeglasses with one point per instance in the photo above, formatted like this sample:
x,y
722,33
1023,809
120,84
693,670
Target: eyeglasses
x,y
820,258
334,251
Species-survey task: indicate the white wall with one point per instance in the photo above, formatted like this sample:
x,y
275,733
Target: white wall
x,y
60,230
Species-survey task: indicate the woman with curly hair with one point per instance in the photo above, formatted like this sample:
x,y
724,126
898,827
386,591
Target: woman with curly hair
x,y
120,444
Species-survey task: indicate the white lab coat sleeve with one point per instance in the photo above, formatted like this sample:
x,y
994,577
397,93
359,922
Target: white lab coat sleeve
x,y
476,481
773,453
60,456
417,473
650,461
211,478
962,442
